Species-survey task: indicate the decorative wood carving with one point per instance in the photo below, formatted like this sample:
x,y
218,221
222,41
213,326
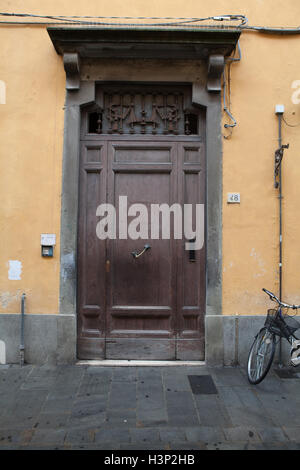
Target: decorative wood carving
x,y
142,113
151,111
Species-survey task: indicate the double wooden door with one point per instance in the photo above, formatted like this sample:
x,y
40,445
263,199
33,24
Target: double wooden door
x,y
151,306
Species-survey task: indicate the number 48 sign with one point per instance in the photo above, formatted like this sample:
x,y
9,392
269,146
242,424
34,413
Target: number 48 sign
x,y
233,198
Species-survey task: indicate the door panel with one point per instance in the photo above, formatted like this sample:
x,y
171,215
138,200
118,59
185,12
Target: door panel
x,y
151,307
191,283
91,253
141,291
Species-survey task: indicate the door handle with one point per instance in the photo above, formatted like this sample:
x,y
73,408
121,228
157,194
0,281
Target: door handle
x,y
135,254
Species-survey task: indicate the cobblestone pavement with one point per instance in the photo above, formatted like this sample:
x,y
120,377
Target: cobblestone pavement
x,y
149,408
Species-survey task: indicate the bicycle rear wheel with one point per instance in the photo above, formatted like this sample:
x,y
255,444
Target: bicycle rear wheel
x,y
261,356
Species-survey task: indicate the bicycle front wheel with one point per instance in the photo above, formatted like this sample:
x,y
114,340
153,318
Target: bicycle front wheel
x,y
261,356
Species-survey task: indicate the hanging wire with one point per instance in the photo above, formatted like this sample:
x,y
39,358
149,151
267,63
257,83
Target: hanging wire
x,y
225,107
78,20
290,125
180,21
227,90
275,30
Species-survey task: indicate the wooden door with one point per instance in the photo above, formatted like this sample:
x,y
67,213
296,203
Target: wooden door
x,y
141,295
151,306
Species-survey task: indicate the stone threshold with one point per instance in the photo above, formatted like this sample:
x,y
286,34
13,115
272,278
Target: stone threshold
x,y
134,363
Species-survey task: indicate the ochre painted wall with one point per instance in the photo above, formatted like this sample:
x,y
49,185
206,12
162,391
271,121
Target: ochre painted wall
x,y
30,166
31,133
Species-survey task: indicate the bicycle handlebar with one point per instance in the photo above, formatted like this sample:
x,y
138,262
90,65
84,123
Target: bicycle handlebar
x,y
282,304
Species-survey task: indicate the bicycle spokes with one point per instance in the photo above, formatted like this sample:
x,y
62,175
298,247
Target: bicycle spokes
x,y
260,356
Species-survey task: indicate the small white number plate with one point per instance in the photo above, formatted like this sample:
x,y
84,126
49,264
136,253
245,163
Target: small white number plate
x,y
233,198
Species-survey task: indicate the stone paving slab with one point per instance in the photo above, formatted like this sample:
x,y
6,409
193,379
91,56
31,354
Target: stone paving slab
x,y
145,408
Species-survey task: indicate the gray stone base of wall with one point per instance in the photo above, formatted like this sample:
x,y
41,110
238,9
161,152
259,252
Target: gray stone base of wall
x,y
48,339
228,339
51,339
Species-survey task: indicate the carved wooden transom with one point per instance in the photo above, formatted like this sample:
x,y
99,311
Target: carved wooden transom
x,y
148,110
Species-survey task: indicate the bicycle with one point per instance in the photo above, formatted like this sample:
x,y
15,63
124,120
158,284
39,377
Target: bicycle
x,y
262,351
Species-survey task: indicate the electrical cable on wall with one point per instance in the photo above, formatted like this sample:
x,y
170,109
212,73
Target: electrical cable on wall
x,y
180,21
226,86
290,125
79,21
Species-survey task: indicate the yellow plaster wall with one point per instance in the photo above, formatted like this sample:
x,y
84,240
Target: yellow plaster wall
x,y
31,134
251,230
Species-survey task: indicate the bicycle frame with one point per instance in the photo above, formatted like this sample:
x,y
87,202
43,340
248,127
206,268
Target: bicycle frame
x,y
290,335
